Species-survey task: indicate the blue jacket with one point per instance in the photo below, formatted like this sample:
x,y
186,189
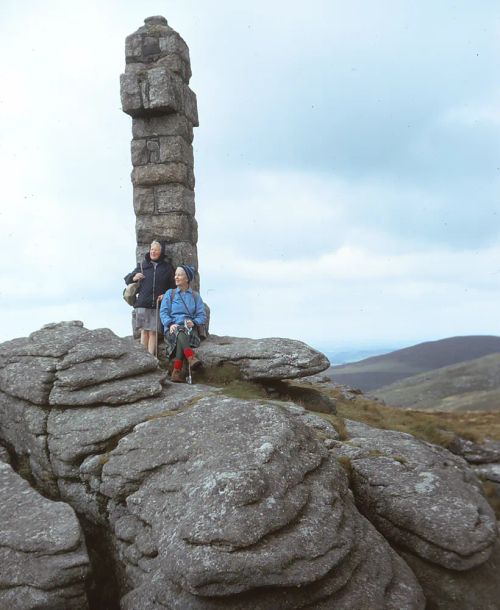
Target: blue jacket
x,y
189,306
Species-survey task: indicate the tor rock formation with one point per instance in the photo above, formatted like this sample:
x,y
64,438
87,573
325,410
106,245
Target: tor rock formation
x,y
122,490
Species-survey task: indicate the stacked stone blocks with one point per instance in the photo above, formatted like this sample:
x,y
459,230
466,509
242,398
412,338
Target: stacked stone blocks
x,y
155,92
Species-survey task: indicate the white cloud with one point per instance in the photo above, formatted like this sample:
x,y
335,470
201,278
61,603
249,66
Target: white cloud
x,y
356,294
475,114
348,263
295,245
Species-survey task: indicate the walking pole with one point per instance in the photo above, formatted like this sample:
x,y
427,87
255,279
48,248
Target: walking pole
x,y
189,379
156,338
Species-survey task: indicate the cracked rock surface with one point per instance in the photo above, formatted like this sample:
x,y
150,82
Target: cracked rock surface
x,y
420,496
269,358
79,441
68,365
254,510
43,559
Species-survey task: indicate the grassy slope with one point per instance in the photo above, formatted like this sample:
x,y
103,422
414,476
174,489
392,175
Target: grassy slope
x,y
436,427
387,369
467,386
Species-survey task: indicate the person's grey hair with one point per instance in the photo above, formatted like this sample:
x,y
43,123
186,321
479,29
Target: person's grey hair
x,y
155,243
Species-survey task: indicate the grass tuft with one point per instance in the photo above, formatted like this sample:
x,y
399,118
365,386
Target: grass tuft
x,y
219,375
346,463
246,390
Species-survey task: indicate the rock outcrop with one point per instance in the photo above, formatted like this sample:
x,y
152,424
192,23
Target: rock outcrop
x,y
155,92
269,358
421,497
65,365
191,499
43,559
476,453
429,504
167,471
448,589
255,512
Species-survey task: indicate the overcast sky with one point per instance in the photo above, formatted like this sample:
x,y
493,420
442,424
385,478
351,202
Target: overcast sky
x,y
347,166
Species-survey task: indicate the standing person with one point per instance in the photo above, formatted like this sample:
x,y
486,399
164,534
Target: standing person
x,y
156,275
181,310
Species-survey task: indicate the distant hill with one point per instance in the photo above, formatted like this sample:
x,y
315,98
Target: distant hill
x,y
468,386
354,355
379,371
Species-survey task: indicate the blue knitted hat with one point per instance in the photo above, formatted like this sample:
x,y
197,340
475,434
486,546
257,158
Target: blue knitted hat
x,y
189,271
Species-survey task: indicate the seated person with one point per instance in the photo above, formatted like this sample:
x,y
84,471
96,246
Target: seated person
x,y
181,310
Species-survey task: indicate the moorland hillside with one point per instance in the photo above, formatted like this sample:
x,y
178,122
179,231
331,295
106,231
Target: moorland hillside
x,y
468,386
383,370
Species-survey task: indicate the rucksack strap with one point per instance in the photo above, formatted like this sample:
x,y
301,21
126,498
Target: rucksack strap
x,y
196,297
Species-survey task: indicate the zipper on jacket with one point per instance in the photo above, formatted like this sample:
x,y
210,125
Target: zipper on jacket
x,y
154,282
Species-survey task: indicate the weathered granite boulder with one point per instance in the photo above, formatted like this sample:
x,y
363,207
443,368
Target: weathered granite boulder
x,y
79,442
447,589
490,477
256,514
43,559
476,453
97,389
269,358
325,382
66,365
489,472
23,428
421,497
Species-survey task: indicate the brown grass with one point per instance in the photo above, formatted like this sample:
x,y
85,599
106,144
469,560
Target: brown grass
x,y
434,427
218,375
245,390
346,464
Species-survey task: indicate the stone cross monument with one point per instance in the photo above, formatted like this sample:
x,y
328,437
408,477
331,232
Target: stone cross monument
x,y
155,93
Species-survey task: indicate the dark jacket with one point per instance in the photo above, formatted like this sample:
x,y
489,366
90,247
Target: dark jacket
x,y
156,281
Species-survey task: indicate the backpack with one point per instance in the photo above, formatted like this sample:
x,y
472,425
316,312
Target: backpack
x,y
131,290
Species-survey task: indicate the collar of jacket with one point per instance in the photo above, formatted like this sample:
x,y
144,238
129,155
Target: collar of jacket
x,y
147,259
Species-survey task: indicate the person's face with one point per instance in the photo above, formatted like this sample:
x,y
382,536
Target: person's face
x,y
181,279
154,252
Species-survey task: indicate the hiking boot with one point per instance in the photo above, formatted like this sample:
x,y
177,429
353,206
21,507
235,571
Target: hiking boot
x,y
194,363
177,376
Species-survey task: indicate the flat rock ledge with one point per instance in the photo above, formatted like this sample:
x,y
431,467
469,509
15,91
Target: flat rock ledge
x,y
43,559
261,359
